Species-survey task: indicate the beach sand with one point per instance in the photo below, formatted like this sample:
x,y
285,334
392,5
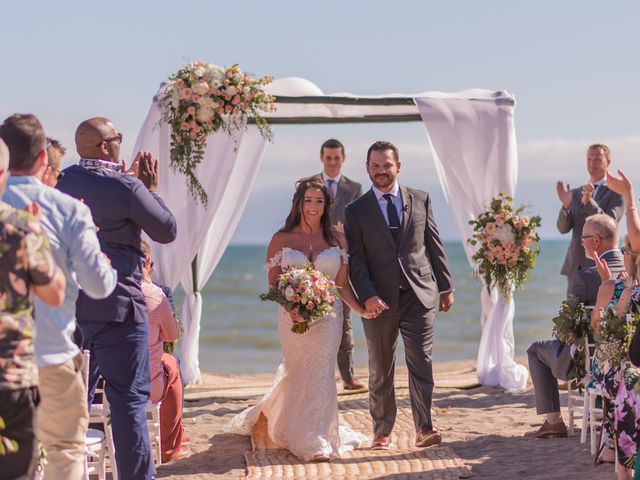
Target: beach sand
x,y
483,425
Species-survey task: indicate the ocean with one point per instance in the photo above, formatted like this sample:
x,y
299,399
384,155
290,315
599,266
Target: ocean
x,y
239,334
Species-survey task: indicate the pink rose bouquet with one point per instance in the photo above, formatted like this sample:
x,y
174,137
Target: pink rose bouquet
x,y
507,245
310,292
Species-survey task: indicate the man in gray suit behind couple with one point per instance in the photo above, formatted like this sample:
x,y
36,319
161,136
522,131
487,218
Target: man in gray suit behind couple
x,y
399,270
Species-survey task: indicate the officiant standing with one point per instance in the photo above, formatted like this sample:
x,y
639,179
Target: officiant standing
x,y
343,191
591,198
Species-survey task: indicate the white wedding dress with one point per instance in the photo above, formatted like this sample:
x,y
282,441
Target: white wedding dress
x,y
302,406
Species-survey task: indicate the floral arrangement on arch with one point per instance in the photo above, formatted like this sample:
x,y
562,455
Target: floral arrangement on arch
x,y
507,245
200,99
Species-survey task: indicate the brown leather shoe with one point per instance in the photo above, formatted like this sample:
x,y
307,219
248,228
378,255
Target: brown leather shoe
x,y
381,442
353,384
548,430
426,437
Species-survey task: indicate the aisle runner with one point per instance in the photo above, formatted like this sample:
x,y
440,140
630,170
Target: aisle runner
x,y
403,461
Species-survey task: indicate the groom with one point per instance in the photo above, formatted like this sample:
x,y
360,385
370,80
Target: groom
x,y
399,270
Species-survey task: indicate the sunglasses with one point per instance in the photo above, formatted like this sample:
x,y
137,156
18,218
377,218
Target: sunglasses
x,y
117,138
59,173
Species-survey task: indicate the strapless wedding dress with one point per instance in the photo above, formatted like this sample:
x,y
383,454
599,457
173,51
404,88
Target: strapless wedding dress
x,y
302,406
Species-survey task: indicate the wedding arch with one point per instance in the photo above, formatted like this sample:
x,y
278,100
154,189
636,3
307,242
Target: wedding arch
x,y
472,138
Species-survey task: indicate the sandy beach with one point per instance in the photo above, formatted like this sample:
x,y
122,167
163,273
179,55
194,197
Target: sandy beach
x,y
484,426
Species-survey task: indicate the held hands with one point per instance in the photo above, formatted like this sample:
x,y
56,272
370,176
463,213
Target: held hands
x,y
564,194
374,306
446,301
338,227
587,192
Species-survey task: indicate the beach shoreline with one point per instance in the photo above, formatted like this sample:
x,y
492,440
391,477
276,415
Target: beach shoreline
x,y
483,425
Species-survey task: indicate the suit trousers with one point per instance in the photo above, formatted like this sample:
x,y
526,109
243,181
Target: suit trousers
x,y
549,360
345,352
120,353
63,419
416,324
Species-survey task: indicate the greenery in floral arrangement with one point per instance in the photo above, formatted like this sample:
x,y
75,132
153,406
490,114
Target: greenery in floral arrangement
x,y
507,245
169,347
201,99
614,338
571,326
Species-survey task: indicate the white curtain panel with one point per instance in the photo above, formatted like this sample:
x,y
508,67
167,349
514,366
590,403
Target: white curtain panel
x,y
227,174
472,137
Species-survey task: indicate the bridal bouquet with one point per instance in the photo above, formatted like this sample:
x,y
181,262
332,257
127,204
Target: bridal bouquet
x,y
571,326
507,245
309,291
614,338
201,99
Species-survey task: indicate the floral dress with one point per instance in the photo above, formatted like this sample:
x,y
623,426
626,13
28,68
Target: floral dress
x,y
621,398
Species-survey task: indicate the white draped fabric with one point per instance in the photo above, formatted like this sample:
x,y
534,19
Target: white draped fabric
x,y
473,141
227,175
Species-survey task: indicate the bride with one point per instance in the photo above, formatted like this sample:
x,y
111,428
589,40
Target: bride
x,y
302,407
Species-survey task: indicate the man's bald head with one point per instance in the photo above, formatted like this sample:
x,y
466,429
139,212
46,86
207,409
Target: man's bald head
x,y
98,138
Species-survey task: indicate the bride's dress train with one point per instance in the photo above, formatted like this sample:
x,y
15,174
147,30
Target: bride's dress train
x,y
302,407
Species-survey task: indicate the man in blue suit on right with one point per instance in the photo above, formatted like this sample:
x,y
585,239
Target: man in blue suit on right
x,y
116,329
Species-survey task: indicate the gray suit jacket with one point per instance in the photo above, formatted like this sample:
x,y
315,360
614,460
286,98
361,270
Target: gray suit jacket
x,y
377,261
347,192
586,282
603,201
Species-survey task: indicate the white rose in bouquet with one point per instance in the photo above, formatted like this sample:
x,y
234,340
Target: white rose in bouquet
x,y
289,294
505,234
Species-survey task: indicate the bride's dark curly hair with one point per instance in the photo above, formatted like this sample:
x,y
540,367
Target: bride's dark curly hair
x,y
295,215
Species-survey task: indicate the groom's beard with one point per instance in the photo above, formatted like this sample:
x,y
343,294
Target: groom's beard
x,y
383,180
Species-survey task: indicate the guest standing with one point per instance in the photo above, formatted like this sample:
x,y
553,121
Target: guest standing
x,y
26,265
579,203
342,191
63,413
123,203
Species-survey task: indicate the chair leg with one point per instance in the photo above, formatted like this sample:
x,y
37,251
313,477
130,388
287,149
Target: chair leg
x,y
570,408
586,416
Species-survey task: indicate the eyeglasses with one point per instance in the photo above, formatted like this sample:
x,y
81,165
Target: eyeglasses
x,y
584,237
117,138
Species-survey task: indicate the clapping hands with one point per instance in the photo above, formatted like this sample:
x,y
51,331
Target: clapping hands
x,y
564,194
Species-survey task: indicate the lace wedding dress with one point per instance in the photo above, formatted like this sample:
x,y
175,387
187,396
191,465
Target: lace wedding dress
x,y
302,406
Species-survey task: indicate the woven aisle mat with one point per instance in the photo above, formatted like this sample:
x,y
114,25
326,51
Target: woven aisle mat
x,y
266,460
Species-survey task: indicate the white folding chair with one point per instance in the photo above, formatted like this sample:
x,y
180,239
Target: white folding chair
x,y
100,413
153,423
95,443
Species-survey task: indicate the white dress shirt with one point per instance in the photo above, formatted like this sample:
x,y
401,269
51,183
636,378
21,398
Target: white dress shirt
x,y
334,187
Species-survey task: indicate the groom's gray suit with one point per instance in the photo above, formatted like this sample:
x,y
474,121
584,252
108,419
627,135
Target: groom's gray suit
x,y
407,275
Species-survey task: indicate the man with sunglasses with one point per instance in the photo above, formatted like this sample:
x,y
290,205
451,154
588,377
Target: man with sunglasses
x,y
63,413
116,329
550,360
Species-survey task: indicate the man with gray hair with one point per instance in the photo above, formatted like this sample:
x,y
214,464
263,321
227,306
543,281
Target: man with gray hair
x,y
550,360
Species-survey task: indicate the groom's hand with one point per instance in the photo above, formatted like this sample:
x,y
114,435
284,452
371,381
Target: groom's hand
x,y
446,301
375,305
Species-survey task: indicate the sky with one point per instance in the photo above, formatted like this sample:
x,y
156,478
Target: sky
x,y
572,66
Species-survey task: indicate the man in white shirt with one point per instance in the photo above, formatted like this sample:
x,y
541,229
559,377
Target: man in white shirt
x,y
342,191
577,204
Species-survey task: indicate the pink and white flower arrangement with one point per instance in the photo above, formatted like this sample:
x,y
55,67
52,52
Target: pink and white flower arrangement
x,y
307,291
507,245
201,99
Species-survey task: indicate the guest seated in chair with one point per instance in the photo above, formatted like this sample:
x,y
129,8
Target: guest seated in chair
x,y
166,386
619,382
550,360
